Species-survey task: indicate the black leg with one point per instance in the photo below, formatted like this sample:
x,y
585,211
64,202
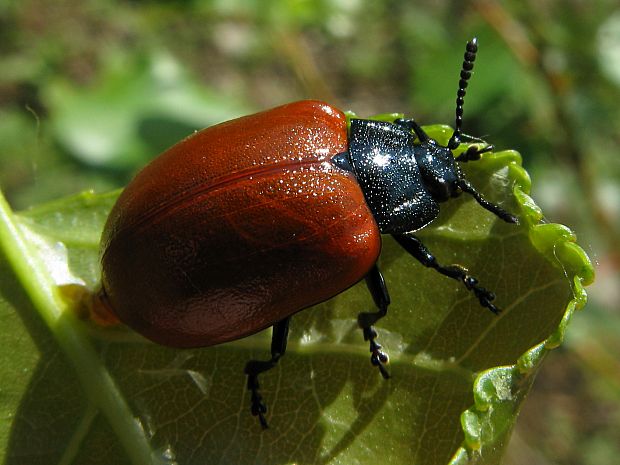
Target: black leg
x,y
414,246
378,290
473,153
484,203
410,124
253,368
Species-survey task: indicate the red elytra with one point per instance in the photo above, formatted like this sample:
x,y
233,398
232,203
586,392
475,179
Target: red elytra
x,y
237,227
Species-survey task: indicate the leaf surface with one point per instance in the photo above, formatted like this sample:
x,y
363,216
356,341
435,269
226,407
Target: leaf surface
x,y
78,393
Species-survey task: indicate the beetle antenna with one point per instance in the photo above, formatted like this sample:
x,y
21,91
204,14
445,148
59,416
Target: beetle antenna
x,y
468,65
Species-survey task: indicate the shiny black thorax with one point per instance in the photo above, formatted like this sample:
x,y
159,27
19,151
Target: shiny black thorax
x,y
403,181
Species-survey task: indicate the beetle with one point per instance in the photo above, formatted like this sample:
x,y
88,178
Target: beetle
x,y
243,224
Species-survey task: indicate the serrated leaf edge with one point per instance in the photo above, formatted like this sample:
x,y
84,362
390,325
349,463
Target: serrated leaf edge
x,y
557,243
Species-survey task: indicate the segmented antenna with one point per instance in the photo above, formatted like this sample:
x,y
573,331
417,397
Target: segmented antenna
x,y
468,65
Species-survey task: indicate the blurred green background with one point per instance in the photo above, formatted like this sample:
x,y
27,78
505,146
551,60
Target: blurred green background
x,y
91,90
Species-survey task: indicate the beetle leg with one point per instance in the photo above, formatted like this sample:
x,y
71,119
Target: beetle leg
x,y
378,290
253,368
410,124
473,153
414,247
498,211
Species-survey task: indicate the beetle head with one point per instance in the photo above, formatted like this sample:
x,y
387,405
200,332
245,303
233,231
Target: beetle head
x,y
440,172
439,169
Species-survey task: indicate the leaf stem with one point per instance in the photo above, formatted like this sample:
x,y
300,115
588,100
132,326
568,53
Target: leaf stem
x,y
100,388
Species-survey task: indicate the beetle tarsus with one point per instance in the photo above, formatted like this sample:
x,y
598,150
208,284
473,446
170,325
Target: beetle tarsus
x,y
483,295
418,250
473,153
253,368
460,273
258,407
378,358
378,290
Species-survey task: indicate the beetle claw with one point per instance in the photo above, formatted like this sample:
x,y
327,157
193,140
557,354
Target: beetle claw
x,y
378,358
263,422
485,297
258,407
384,373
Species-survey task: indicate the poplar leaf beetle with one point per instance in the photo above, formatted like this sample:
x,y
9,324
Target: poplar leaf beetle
x,y
241,225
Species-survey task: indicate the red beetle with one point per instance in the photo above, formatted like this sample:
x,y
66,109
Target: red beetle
x,y
219,237
243,224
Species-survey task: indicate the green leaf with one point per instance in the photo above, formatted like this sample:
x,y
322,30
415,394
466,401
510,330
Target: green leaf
x,y
79,393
